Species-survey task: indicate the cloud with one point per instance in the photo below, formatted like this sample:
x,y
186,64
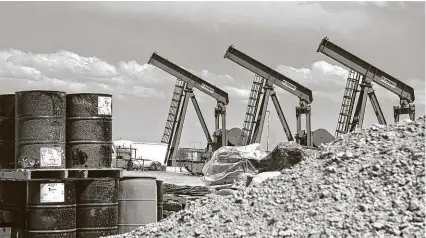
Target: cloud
x,y
238,93
262,14
72,73
64,70
206,75
375,3
382,4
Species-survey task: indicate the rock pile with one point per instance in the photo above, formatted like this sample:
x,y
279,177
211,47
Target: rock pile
x,y
369,183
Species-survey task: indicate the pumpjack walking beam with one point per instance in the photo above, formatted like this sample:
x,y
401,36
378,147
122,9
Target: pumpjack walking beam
x,y
190,81
272,78
371,74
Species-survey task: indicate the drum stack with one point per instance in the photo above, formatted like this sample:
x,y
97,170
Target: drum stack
x,y
55,165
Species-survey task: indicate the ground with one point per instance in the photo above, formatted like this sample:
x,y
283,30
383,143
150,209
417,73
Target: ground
x,y
171,177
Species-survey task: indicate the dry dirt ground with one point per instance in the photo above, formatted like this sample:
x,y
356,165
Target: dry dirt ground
x,y
170,177
368,183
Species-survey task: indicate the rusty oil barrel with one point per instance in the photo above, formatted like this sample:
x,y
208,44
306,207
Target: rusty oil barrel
x,y
89,130
7,131
160,199
97,208
12,198
40,208
137,202
40,129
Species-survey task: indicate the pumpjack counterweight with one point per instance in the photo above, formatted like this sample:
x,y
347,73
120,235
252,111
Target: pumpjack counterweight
x,y
369,74
186,81
271,78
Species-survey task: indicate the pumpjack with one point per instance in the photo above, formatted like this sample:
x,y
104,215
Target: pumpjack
x,y
184,90
263,84
361,76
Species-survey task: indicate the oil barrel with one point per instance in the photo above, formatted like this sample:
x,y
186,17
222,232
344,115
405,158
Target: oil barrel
x,y
7,131
97,208
160,200
137,202
40,129
41,209
89,130
12,198
51,209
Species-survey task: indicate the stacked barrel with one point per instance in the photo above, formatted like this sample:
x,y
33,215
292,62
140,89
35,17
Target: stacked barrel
x,y
55,131
40,129
89,131
52,130
89,145
7,131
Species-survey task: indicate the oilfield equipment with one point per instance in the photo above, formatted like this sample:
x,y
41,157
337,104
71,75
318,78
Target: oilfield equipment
x,y
363,74
56,178
264,81
185,83
56,173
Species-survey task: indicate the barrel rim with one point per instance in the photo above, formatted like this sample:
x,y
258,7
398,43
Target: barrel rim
x,y
39,91
125,177
94,94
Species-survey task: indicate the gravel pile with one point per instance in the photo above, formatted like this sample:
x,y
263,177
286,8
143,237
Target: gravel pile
x,y
370,183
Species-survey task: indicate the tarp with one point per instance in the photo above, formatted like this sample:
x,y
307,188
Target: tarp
x,y
231,164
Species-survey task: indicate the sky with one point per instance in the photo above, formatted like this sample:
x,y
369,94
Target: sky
x,y
104,47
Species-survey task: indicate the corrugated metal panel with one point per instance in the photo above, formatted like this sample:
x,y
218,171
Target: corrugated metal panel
x,y
151,151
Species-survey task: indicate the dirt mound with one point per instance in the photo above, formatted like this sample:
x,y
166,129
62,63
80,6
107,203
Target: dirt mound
x,y
369,183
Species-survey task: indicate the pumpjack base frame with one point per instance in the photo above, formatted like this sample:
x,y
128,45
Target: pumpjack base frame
x,y
401,110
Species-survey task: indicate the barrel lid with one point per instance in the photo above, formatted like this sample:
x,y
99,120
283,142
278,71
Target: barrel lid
x,y
91,94
40,91
136,176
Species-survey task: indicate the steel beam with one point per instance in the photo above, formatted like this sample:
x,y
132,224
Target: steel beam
x,y
281,116
201,118
179,127
189,78
358,118
260,121
376,107
269,74
375,74
224,132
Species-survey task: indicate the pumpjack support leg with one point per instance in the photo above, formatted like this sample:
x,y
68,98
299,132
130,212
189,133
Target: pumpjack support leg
x,y
302,138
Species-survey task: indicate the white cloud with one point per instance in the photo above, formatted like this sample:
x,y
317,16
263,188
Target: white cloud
x,y
377,3
239,93
321,73
323,79
220,78
263,14
71,72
